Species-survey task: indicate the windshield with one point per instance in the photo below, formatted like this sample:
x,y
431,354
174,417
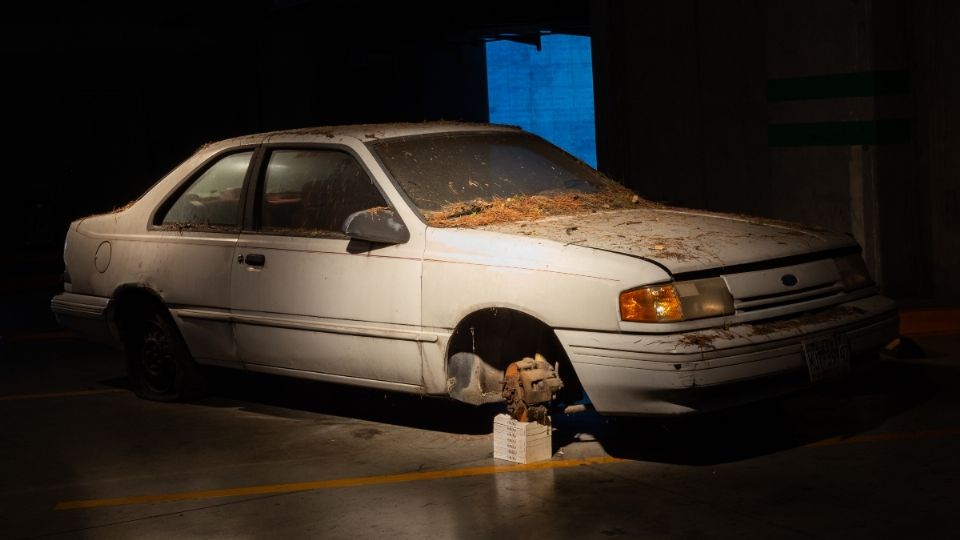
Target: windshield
x,y
467,179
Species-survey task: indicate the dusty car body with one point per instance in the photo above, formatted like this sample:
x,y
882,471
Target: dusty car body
x,y
407,286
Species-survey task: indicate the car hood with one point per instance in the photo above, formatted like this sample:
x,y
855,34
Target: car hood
x,y
681,240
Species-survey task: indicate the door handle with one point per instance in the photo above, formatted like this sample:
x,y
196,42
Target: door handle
x,y
255,259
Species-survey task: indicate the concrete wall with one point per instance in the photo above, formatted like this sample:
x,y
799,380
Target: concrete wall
x,y
681,102
826,52
935,72
832,113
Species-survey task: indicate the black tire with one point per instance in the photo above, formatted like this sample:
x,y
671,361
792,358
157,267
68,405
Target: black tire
x,y
158,361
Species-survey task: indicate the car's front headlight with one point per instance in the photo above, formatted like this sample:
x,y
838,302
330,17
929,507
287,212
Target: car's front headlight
x,y
676,301
853,272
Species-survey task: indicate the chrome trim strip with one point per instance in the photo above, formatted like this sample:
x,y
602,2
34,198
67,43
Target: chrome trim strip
x,y
311,326
186,313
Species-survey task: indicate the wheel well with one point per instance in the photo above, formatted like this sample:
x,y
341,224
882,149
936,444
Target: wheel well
x,y
131,304
499,336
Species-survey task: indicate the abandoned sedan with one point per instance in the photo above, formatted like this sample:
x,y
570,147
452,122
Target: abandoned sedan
x,y
471,261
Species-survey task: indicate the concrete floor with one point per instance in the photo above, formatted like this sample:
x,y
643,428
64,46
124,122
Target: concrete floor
x,y
876,457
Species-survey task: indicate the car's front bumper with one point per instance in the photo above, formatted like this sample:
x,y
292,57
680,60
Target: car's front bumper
x,y
695,371
85,314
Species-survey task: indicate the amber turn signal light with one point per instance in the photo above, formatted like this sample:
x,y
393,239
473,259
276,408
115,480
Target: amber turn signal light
x,y
677,301
657,303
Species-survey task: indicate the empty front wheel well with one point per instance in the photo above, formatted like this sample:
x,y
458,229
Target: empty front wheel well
x,y
498,337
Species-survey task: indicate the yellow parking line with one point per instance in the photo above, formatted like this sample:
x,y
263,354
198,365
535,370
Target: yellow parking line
x,y
890,436
272,489
17,397
337,483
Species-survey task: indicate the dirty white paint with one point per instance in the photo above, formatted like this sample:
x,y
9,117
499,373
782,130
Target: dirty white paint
x,y
382,317
681,240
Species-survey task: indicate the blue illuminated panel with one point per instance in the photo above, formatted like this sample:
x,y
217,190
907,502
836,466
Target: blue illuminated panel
x,y
548,92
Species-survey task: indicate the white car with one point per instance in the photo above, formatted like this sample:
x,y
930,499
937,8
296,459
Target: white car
x,y
427,258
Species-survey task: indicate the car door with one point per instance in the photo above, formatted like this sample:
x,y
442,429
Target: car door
x,y
188,257
306,299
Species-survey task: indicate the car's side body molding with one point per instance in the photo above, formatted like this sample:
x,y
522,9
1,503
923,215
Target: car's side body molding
x,y
306,324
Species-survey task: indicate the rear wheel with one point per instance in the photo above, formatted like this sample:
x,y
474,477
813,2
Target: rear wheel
x,y
159,364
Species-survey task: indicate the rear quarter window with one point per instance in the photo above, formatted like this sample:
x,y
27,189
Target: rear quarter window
x,y
212,199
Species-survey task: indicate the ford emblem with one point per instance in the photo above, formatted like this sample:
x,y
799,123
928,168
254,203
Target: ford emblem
x,y
789,280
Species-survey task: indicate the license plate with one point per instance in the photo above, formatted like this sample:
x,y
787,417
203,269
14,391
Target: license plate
x,y
827,358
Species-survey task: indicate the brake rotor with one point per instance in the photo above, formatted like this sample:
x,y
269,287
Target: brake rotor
x,y
528,387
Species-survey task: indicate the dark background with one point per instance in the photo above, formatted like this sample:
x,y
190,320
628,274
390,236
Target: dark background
x,y
839,113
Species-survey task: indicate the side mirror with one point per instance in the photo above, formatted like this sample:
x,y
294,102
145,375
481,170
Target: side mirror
x,y
376,225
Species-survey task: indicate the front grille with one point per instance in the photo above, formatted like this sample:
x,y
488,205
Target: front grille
x,y
754,303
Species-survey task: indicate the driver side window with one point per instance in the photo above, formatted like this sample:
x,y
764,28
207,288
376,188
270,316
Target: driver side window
x,y
311,192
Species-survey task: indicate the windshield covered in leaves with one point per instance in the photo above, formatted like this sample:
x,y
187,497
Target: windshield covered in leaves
x,y
473,179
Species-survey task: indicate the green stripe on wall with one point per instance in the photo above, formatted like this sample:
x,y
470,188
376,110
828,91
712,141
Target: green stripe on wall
x,y
839,133
871,83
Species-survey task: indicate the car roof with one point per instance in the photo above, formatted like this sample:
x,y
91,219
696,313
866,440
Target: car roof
x,y
363,132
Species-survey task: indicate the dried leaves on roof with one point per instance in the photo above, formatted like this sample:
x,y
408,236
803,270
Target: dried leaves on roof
x,y
477,213
118,209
